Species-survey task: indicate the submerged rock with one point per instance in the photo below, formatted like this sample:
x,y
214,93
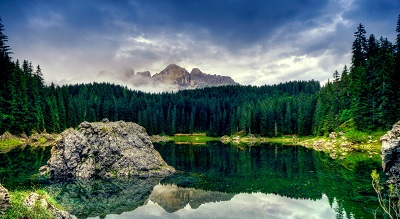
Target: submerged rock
x,y
103,150
101,197
390,153
5,201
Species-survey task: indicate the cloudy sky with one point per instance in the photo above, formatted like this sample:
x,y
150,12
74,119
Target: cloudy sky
x,y
255,42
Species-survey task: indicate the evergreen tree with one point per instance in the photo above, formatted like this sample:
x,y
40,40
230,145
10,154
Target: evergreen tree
x,y
19,105
336,76
359,47
71,114
4,48
360,97
397,64
6,67
398,43
62,115
344,95
360,108
372,47
287,124
318,119
385,88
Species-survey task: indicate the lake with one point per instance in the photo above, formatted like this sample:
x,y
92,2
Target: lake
x,y
214,180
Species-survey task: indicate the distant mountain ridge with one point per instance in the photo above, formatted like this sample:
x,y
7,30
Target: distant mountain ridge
x,y
173,78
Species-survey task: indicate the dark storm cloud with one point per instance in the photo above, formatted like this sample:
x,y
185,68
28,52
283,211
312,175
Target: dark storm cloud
x,y
232,23
229,22
378,16
253,41
374,9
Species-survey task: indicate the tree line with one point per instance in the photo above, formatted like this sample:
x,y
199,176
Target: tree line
x,y
366,94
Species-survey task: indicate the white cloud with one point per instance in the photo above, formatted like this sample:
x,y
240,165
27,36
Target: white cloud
x,y
46,20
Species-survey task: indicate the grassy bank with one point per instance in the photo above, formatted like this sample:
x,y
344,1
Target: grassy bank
x,y
347,143
8,144
339,145
18,210
195,138
9,141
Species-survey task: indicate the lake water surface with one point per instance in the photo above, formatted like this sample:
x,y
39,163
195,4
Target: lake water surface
x,y
215,181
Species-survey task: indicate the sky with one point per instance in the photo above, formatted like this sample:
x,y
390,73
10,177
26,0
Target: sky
x,y
255,42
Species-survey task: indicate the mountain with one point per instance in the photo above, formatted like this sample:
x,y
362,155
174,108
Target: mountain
x,y
173,198
172,78
176,75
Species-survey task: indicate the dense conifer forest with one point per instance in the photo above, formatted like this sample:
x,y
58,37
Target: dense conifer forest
x,y
366,94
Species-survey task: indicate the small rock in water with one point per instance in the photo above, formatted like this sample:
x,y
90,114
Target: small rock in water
x,y
5,201
333,135
30,201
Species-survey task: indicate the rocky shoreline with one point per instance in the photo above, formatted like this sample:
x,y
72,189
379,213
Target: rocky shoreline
x,y
390,153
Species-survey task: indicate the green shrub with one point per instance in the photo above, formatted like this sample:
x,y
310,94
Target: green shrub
x,y
357,136
348,125
42,140
389,202
8,143
104,129
345,115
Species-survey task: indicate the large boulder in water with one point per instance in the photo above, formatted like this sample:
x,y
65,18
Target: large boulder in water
x,y
103,150
390,153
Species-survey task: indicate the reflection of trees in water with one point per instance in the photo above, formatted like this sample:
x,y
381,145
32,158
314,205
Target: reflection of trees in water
x,y
294,172
20,166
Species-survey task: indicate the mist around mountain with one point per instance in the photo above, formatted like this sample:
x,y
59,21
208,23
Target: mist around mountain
x,y
172,78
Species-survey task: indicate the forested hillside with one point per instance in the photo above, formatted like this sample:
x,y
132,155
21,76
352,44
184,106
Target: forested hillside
x,y
367,93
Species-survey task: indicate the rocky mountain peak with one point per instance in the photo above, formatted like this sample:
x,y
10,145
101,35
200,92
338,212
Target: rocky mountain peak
x,y
171,78
196,71
172,74
144,74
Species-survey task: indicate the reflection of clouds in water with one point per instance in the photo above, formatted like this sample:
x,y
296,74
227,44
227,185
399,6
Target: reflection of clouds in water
x,y
255,205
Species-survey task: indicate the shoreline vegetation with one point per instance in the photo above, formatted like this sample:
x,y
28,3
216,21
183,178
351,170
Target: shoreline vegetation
x,y
337,144
9,141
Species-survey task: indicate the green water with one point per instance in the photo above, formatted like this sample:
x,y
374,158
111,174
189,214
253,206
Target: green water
x,y
19,168
215,181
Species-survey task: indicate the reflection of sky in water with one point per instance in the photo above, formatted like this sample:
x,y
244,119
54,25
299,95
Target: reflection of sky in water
x,y
255,205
